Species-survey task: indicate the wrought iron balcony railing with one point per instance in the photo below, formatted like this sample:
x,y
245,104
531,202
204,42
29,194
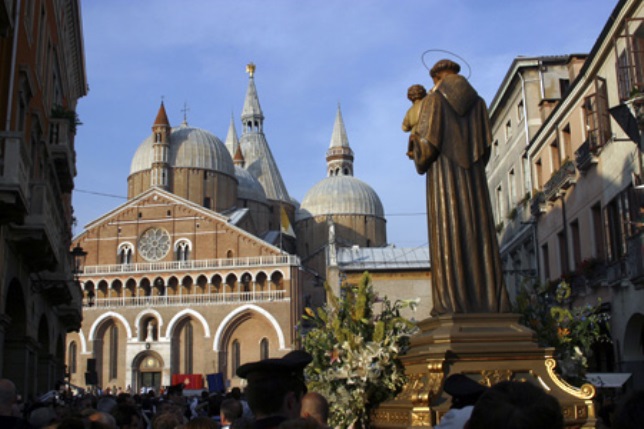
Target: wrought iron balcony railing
x,y
256,261
183,300
561,180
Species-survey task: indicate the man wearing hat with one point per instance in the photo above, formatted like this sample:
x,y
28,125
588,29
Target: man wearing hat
x,y
275,388
464,392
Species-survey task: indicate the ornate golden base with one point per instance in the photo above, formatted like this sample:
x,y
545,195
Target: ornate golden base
x,y
486,347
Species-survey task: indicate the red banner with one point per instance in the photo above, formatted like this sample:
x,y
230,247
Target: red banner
x,y
190,381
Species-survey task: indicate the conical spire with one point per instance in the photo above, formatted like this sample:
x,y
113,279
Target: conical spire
x,y
162,118
232,141
238,159
252,116
339,156
339,135
259,160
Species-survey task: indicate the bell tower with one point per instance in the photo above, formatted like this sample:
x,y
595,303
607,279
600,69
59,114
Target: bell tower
x,y
160,148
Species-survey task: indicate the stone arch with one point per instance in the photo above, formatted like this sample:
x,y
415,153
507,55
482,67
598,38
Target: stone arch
x,y
202,284
246,282
104,317
182,250
172,286
15,333
217,282
145,286
187,283
261,281
143,318
102,289
72,357
116,288
277,280
125,253
130,287
231,283
217,343
633,339
137,364
187,312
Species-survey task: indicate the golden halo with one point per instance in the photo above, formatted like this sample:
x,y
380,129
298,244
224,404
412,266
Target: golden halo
x,y
422,58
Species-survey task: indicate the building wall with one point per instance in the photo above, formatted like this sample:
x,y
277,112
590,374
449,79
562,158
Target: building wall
x,y
588,209
401,285
231,287
516,115
40,84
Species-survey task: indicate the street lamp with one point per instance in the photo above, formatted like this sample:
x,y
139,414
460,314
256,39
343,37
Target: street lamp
x,y
78,264
79,260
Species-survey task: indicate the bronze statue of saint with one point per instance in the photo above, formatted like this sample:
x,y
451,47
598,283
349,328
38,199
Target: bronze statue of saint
x,y
451,145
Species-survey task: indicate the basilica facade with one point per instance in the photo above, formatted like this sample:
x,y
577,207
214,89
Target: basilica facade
x,y
210,262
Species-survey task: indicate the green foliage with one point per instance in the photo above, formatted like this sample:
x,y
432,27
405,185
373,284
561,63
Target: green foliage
x,y
62,113
571,330
355,340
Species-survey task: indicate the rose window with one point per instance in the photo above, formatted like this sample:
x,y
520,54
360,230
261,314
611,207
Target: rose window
x,y
154,244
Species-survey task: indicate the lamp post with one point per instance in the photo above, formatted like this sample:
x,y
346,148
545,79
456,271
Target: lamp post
x,y
78,256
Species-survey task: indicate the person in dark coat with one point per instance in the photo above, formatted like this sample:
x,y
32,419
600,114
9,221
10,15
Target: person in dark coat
x,y
275,388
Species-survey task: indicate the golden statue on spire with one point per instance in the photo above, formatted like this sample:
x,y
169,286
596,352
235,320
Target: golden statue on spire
x,y
250,69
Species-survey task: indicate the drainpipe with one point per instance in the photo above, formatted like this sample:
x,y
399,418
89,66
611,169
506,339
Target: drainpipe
x,y
533,223
14,53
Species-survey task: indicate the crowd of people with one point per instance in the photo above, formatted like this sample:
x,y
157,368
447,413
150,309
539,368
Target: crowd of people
x,y
276,397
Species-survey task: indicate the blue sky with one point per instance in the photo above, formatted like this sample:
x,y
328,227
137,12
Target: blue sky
x,y
310,56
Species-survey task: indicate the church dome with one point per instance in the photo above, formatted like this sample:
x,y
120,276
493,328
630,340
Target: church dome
x,y
338,195
249,188
189,148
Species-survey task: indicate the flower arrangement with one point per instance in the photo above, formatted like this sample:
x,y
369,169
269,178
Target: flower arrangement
x,y
571,330
355,341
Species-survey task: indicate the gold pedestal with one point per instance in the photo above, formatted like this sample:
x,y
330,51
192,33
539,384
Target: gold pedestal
x,y
488,348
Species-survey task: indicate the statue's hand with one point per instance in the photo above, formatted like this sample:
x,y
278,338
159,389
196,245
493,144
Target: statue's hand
x,y
424,154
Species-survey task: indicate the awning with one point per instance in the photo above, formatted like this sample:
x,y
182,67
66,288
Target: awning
x,y
608,379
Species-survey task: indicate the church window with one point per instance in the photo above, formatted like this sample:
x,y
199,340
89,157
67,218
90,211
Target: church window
x,y
72,363
154,244
230,254
346,172
125,254
235,356
114,352
263,349
182,250
207,203
520,111
187,348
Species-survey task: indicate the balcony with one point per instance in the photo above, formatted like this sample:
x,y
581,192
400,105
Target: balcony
x,y
564,178
14,178
198,265
186,300
61,151
54,287
585,157
71,316
40,237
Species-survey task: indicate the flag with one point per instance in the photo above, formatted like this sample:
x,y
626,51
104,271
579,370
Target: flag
x,y
286,227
